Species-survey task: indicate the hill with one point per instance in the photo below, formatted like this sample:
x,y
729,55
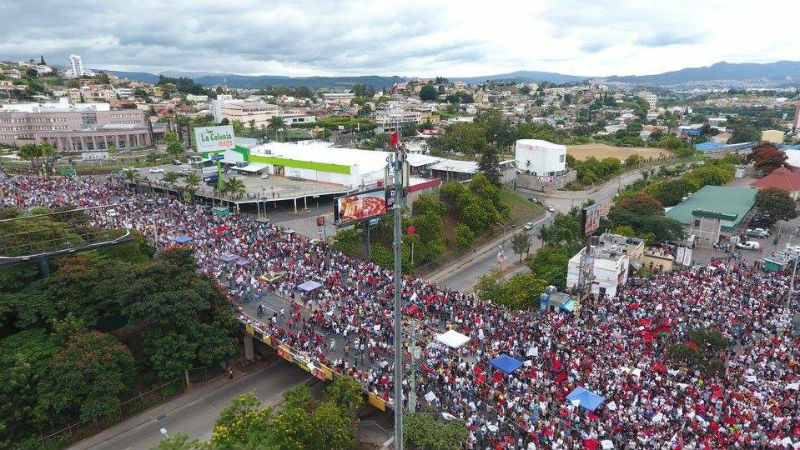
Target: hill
x,y
780,71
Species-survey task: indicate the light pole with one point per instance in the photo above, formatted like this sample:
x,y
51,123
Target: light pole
x,y
397,163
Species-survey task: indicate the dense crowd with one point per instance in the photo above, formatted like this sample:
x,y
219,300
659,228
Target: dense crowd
x,y
615,347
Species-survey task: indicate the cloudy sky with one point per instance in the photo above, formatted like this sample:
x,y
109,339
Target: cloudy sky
x,y
411,38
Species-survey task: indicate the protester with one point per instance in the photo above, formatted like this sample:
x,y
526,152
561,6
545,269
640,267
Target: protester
x,y
616,347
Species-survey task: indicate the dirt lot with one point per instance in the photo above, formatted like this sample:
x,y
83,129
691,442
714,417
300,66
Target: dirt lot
x,y
600,151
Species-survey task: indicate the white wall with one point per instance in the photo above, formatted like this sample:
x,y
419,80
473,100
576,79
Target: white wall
x,y
540,157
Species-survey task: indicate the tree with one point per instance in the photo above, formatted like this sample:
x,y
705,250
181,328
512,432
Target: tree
x,y
179,441
88,375
192,181
238,127
704,350
633,160
235,187
642,203
243,425
489,164
428,93
174,146
423,431
767,158
550,265
777,203
464,236
170,177
29,152
131,175
671,192
521,243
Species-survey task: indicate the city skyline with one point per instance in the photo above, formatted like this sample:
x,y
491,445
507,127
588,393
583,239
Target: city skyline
x,y
413,39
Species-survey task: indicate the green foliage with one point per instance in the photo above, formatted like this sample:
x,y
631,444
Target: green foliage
x,y
550,265
423,431
704,352
564,232
777,203
591,170
489,165
465,237
88,377
242,425
348,241
179,441
520,292
428,93
184,85
521,243
642,203
174,146
461,137
670,192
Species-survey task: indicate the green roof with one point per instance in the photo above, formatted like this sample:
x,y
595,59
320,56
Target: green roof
x,y
729,201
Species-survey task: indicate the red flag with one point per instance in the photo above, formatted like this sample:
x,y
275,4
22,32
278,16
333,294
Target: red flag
x,y
591,444
395,139
411,229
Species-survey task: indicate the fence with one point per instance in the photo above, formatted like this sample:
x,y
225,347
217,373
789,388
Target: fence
x,y
76,432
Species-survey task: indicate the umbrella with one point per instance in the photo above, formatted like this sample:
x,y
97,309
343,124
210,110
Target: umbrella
x,y
588,399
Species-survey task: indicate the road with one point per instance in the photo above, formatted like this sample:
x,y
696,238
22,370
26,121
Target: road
x,y
463,273
563,201
194,413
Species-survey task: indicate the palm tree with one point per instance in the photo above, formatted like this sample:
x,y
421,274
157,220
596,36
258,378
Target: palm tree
x,y
192,181
235,187
131,175
170,177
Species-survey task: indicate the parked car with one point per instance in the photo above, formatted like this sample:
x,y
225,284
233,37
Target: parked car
x,y
757,232
749,245
528,226
551,209
156,170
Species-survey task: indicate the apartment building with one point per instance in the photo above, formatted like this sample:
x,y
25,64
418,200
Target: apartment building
x,y
246,111
390,119
27,123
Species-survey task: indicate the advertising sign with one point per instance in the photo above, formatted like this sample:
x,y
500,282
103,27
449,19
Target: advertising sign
x,y
210,170
687,257
360,206
591,219
320,221
211,139
94,156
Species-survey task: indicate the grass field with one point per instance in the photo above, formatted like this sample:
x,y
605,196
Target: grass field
x,y
600,151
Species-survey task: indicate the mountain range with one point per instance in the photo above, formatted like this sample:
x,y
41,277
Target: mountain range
x,y
781,73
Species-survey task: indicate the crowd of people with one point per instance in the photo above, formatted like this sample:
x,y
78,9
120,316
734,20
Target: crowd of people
x,y
615,347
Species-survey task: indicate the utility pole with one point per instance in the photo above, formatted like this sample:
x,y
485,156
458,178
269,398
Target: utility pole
x,y
398,284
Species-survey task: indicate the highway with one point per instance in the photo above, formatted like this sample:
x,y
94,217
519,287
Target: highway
x,y
194,413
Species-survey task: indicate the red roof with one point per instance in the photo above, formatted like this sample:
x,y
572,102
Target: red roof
x,y
781,178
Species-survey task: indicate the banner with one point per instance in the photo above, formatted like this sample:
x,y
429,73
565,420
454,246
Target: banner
x,y
591,219
359,206
687,257
285,353
211,139
249,330
377,402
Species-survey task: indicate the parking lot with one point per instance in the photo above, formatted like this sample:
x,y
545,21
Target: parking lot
x,y
271,188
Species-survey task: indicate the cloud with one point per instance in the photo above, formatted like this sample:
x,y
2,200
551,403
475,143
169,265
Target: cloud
x,y
414,37
667,38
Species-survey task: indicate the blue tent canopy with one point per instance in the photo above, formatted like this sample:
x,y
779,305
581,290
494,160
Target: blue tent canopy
x,y
309,286
182,239
229,257
506,364
588,399
568,306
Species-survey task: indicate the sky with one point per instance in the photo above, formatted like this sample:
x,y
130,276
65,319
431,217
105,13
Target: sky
x,y
425,38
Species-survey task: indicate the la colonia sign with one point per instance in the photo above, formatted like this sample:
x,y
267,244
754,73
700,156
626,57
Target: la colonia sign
x,y
214,138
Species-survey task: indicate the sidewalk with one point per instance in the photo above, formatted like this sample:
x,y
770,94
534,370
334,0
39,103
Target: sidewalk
x,y
194,410
475,256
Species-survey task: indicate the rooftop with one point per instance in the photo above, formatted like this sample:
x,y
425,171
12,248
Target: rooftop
x,y
727,200
780,178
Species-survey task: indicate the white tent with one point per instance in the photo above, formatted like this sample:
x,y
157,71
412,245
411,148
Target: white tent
x,y
452,339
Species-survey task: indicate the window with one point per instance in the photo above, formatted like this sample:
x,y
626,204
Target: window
x,y
561,158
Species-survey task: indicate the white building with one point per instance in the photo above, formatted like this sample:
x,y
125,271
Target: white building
x,y
216,106
607,263
76,69
542,158
389,120
338,98
649,97
196,98
258,112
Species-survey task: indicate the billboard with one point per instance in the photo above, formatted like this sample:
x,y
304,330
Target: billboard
x,y
591,219
210,139
94,156
359,206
